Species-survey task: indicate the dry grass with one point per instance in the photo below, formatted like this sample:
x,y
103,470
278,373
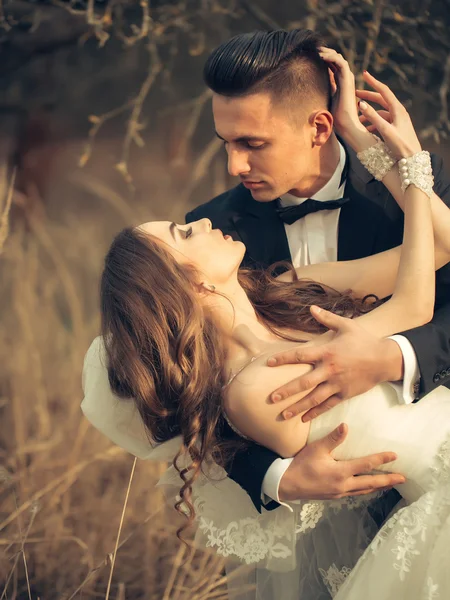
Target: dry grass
x,y
63,486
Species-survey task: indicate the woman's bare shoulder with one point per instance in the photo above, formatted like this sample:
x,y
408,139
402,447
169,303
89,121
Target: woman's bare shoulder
x,y
249,407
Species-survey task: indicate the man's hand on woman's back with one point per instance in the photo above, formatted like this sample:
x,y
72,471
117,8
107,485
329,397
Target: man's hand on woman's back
x,y
315,475
347,361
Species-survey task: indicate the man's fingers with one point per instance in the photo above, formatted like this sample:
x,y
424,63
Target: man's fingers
x,y
321,408
333,439
300,384
370,463
300,355
377,482
362,492
313,400
370,490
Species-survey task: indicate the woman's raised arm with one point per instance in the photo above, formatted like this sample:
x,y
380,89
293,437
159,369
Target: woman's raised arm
x,y
407,272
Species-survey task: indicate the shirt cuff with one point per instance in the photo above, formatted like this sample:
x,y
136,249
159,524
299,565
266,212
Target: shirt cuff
x,y
407,391
271,481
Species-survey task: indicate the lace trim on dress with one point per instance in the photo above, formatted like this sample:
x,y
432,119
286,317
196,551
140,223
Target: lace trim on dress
x,y
410,535
270,537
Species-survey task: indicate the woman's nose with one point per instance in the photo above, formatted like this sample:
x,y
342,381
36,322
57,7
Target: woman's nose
x,y
207,224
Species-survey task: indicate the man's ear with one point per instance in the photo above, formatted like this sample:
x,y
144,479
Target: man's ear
x,y
321,122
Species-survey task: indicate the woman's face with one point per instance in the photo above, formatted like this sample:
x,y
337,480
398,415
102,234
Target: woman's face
x,y
215,256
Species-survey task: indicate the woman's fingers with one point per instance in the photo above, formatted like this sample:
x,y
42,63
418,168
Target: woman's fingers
x,y
370,96
336,61
332,81
377,121
383,113
390,99
386,115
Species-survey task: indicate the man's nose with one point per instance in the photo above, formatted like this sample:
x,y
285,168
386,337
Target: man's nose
x,y
238,163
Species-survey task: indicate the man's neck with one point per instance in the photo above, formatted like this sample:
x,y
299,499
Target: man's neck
x,y
325,163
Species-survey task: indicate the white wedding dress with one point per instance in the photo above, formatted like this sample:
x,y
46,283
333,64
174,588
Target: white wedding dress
x,y
310,553
318,550
408,557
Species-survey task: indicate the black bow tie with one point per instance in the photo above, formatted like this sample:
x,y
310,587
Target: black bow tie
x,y
290,214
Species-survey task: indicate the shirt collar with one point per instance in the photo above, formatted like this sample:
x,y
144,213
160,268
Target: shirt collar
x,y
332,190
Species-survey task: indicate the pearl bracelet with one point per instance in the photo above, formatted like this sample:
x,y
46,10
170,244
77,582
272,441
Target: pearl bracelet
x,y
416,170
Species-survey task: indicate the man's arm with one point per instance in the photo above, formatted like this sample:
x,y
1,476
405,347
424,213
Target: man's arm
x,y
431,344
248,469
313,474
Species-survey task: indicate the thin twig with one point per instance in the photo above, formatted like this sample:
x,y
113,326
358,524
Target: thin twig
x,y
104,562
113,451
113,560
374,30
142,31
4,218
133,126
21,551
98,122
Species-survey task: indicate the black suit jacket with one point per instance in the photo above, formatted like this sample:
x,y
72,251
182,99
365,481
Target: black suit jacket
x,y
369,223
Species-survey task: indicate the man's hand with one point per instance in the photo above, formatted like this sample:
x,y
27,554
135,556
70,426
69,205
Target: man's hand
x,y
315,475
347,361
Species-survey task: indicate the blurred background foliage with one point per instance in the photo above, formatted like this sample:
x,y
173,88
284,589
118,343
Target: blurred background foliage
x,y
105,121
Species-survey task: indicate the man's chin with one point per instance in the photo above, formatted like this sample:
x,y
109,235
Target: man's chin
x,y
263,195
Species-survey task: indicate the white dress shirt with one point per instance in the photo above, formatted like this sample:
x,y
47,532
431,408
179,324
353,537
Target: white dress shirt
x,y
314,239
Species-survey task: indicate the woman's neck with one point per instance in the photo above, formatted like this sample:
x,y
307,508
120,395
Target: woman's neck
x,y
235,317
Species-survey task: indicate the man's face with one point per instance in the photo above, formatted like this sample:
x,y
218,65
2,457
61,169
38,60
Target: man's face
x,y
267,148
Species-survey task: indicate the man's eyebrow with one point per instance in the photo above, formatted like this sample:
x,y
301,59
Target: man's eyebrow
x,y
244,138
172,228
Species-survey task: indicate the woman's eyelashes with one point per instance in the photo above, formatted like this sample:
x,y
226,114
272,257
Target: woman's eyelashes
x,y
187,232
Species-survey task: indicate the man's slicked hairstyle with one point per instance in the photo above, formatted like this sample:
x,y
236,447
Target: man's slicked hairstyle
x,y
285,64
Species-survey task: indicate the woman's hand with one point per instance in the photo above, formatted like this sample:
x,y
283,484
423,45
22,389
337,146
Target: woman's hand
x,y
393,123
344,106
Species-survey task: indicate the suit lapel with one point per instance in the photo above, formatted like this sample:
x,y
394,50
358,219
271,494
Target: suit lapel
x,y
262,231
360,219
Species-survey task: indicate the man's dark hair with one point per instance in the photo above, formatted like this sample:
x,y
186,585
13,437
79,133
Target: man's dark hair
x,y
285,64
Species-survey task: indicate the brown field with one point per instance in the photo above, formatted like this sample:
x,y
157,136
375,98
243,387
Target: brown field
x,y
63,486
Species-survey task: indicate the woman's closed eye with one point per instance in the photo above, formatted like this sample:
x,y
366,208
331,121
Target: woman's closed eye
x,y
187,232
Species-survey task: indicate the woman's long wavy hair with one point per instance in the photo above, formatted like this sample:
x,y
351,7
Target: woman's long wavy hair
x,y
164,350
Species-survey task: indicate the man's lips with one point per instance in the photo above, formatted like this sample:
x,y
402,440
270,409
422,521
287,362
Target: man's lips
x,y
252,184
